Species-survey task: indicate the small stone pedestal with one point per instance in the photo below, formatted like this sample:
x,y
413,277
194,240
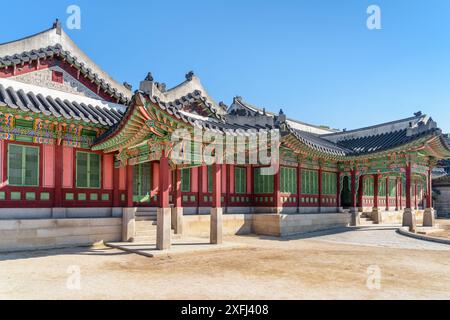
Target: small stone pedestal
x,y
128,224
216,226
355,217
376,216
428,218
409,219
163,229
177,220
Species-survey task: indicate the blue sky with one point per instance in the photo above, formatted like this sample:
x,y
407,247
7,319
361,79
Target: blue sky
x,y
315,59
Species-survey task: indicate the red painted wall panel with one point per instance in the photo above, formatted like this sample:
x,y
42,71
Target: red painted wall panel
x,y
68,167
224,179
231,182
48,166
108,164
204,181
194,179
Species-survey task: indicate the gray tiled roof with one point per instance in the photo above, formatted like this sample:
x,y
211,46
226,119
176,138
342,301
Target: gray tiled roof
x,y
362,145
54,106
57,51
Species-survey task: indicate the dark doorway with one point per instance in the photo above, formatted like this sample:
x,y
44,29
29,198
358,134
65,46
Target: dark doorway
x,y
346,197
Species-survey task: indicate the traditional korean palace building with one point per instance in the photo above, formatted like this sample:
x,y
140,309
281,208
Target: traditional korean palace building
x,y
82,152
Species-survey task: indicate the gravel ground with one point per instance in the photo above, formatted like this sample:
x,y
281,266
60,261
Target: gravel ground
x,y
366,263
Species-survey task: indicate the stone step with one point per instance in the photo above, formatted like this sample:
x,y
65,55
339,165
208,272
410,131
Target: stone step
x,y
152,238
145,218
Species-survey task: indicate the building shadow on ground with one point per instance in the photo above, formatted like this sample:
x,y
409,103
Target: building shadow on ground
x,y
76,251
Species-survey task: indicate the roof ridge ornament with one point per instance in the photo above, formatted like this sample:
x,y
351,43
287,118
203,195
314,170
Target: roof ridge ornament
x,y
149,77
57,25
190,75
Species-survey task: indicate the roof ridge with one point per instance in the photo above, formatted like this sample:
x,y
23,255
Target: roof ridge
x,y
264,110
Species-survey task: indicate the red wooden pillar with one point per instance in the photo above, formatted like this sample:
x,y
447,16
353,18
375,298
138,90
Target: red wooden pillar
x,y
415,195
319,183
57,197
250,184
299,185
397,206
375,190
353,188
361,191
408,187
429,190
227,170
177,189
338,191
164,181
217,184
116,193
202,170
276,189
387,193
129,186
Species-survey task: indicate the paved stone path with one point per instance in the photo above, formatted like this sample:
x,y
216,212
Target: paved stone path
x,y
380,236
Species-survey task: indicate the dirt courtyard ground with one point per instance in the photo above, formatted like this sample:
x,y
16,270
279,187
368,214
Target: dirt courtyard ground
x,y
330,265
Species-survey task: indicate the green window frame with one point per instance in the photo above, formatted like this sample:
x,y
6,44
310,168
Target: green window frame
x,y
288,180
23,165
392,187
262,184
329,183
382,187
240,180
186,180
368,186
142,182
88,170
310,182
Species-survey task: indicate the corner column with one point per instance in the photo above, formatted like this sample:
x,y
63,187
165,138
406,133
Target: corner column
x,y
216,210
129,213
177,210
164,212
428,214
409,218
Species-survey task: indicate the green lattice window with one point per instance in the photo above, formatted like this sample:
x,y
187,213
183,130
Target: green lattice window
x,y
288,180
392,189
186,180
310,182
88,170
329,183
262,183
142,182
23,165
240,180
382,187
368,186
